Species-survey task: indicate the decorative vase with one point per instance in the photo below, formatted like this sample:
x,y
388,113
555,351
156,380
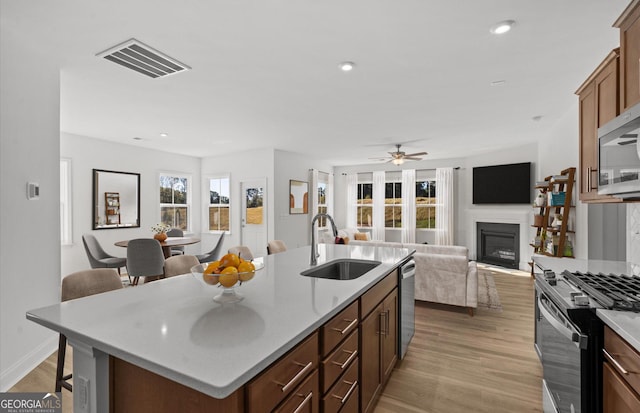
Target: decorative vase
x,y
161,236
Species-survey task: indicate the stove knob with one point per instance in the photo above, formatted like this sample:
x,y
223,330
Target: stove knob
x,y
581,300
549,274
552,281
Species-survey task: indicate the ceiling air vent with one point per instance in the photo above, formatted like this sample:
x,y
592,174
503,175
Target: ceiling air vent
x,y
143,59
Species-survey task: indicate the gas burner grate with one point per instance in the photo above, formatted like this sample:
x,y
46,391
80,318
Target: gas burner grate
x,y
616,292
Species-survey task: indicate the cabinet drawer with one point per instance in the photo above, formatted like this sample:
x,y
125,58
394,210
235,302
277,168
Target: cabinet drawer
x,y
339,361
617,396
278,381
339,327
343,392
376,294
624,357
304,399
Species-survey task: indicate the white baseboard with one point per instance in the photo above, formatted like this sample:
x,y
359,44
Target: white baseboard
x,y
22,367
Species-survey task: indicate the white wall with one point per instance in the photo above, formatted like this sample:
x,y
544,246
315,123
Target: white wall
x,y
242,166
87,154
294,230
30,232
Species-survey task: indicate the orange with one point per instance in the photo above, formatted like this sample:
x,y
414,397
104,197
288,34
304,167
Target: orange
x,y
246,270
212,267
230,260
210,278
228,277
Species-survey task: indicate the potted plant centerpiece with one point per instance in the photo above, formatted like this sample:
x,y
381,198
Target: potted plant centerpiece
x,y
160,230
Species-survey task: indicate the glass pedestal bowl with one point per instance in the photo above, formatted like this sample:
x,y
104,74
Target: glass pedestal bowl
x,y
227,283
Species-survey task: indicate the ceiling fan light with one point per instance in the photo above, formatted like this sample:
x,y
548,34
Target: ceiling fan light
x,y
398,161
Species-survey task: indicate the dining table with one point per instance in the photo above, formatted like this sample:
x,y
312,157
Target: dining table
x,y
167,244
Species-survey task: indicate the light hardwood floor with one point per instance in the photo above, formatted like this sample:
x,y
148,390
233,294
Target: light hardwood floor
x,y
455,363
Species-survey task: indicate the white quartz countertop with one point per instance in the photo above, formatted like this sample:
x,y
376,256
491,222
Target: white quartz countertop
x,y
172,327
625,323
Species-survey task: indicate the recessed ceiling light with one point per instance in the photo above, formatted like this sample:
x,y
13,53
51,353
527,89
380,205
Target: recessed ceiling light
x,y
164,135
502,27
498,82
346,66
137,138
537,118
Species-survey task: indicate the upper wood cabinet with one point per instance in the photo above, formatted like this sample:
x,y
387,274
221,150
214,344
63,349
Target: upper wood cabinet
x,y
629,25
599,100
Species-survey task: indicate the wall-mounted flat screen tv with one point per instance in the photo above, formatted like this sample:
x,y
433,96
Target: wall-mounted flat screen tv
x,y
502,184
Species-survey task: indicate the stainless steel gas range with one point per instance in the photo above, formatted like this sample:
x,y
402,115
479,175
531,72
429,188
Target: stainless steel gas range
x,y
569,335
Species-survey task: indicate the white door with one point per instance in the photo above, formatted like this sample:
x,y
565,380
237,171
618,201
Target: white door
x,y
254,216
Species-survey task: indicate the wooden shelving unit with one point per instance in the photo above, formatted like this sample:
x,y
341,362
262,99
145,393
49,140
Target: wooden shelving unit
x,y
112,207
554,240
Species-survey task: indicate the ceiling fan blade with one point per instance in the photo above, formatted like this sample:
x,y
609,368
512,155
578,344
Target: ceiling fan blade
x,y
411,158
417,154
378,159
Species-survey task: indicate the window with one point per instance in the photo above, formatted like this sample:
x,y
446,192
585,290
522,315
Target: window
x,y
393,205
364,204
323,184
426,204
219,204
175,198
66,233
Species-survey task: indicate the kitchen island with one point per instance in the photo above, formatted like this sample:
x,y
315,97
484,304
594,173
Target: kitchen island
x,y
173,329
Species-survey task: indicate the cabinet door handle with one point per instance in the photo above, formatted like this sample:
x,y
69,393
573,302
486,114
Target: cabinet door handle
x,y
387,318
304,402
351,389
352,355
383,323
297,377
614,362
347,328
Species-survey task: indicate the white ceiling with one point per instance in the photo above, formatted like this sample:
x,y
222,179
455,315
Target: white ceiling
x,y
265,73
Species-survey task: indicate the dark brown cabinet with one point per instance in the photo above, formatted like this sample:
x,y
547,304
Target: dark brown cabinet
x,y
620,375
378,340
598,104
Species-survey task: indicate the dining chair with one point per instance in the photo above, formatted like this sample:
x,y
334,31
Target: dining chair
x,y
175,232
179,264
144,259
242,251
98,258
213,254
76,285
275,246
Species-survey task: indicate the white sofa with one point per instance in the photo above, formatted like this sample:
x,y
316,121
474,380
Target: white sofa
x,y
444,274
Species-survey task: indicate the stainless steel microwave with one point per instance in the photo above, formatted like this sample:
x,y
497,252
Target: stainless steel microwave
x,y
619,155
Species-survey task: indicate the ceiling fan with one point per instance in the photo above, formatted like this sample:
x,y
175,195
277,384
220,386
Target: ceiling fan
x,y
398,157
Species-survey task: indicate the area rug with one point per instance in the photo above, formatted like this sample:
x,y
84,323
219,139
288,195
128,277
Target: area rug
x,y
487,292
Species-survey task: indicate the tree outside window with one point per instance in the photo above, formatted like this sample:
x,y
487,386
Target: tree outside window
x,y
426,204
174,201
364,205
219,204
393,205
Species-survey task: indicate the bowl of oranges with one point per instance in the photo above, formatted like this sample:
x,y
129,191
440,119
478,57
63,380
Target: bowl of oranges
x,y
228,273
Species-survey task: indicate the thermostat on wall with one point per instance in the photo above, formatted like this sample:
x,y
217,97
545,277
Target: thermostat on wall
x,y
33,190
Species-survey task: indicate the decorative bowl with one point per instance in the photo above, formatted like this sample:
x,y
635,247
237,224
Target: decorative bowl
x,y
228,283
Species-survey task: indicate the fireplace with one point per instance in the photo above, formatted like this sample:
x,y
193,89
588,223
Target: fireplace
x,y
498,244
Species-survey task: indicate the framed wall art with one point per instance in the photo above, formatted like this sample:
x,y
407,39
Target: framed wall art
x,y
298,197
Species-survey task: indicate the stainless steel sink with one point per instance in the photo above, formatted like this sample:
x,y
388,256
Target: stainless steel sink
x,y
341,269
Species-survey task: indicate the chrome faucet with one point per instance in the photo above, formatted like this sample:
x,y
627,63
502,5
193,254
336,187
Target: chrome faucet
x,y
314,246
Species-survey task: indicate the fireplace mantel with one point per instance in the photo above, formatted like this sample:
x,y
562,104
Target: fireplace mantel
x,y
506,216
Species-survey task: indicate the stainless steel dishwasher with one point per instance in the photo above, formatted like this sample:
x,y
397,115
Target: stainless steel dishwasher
x,y
407,305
